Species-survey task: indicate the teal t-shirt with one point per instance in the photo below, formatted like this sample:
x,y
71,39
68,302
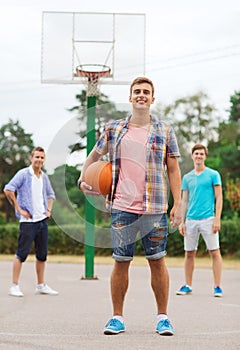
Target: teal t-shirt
x,y
201,199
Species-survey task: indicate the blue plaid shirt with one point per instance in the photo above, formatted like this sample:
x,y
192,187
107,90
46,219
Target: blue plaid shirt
x,y
22,184
162,143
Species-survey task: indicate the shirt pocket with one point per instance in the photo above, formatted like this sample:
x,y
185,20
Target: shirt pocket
x,y
158,151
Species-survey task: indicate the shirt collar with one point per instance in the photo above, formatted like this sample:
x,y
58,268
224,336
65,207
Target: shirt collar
x,y
153,119
32,171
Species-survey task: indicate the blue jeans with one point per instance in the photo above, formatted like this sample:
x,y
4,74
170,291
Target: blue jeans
x,y
29,232
153,231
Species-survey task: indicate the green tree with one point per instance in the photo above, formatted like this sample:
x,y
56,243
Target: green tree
x,y
64,180
105,111
70,200
194,119
225,154
15,149
235,108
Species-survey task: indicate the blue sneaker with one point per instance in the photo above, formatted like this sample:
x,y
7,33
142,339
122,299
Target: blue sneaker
x,y
218,292
164,327
114,326
184,290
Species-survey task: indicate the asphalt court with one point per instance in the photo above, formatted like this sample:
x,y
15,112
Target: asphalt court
x,y
75,318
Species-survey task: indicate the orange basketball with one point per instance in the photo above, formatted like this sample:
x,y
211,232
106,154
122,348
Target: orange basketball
x,y
99,176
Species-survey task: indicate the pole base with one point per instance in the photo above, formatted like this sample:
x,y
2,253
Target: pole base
x,y
89,278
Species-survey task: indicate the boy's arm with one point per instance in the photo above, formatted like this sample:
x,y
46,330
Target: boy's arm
x,y
218,208
174,176
184,212
13,201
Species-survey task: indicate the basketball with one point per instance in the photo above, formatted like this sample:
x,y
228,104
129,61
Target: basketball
x,y
99,176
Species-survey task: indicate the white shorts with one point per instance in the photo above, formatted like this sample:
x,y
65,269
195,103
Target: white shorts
x,y
204,227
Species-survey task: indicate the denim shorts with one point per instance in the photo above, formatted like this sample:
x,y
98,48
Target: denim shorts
x,y
204,227
125,226
29,232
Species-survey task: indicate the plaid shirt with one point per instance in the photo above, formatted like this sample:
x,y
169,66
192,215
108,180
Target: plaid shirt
x,y
162,143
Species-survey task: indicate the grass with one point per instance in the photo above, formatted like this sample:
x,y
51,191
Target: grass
x,y
200,262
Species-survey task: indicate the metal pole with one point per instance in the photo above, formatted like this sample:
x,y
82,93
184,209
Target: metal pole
x,y
90,209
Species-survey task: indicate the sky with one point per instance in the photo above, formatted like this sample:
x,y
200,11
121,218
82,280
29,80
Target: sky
x,y
190,46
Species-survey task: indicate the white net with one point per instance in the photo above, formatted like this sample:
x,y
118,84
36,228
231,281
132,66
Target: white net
x,y
92,72
92,87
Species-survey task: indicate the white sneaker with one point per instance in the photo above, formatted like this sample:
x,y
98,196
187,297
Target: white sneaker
x,y
15,291
45,289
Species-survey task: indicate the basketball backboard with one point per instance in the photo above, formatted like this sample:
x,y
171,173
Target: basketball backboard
x,y
70,39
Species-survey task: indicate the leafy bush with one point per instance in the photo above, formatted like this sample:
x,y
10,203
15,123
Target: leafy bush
x,y
69,239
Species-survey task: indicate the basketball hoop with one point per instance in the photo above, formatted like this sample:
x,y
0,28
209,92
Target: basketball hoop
x,y
93,72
